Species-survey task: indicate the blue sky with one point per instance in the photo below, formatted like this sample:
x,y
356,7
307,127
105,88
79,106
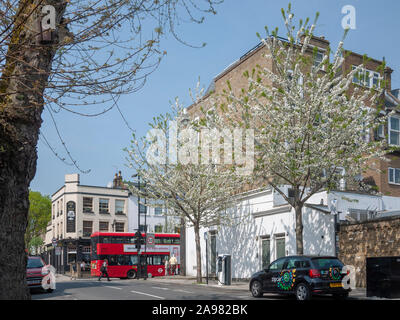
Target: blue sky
x,y
97,143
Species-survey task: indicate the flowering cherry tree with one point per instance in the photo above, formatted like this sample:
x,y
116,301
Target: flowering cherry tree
x,y
197,191
309,131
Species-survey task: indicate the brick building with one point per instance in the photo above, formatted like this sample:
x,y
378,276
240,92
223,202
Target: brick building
x,y
386,180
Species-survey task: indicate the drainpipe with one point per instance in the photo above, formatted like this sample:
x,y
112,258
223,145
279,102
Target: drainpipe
x,y
335,214
342,181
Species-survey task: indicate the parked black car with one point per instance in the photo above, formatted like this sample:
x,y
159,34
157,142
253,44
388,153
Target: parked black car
x,y
303,276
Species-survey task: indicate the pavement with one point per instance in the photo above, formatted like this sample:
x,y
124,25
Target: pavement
x,y
355,294
358,293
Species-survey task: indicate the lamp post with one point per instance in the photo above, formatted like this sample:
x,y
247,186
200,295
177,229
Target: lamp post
x,y
139,269
145,246
145,222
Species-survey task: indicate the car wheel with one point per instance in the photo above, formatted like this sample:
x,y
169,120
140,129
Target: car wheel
x,y
49,290
131,274
302,292
256,289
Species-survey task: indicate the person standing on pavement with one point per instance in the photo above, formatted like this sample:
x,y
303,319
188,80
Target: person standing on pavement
x,y
166,266
103,270
172,262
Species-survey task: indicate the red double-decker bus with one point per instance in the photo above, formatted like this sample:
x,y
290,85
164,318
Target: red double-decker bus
x,y
119,248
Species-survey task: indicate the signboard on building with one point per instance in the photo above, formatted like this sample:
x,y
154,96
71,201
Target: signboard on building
x,y
58,251
54,242
71,216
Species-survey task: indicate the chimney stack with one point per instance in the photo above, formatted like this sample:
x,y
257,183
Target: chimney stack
x,y
388,78
117,181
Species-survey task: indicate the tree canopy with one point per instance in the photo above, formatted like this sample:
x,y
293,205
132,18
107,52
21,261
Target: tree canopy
x,y
38,217
311,130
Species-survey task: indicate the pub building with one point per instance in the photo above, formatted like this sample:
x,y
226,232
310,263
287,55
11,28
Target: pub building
x,y
78,211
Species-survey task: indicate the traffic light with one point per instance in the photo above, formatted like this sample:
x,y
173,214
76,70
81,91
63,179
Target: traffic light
x,y
139,238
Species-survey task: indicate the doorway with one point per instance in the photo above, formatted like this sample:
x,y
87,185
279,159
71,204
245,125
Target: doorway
x,y
213,253
265,252
280,247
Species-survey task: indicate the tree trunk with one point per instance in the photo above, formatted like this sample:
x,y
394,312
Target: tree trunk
x,y
299,228
23,81
198,253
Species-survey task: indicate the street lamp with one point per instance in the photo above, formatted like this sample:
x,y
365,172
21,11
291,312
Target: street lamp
x,y
138,176
139,269
145,222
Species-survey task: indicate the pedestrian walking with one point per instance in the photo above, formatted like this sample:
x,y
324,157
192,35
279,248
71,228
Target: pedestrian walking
x,y
72,268
173,262
103,270
83,266
166,266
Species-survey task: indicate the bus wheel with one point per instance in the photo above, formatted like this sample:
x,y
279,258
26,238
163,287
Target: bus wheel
x,y
131,274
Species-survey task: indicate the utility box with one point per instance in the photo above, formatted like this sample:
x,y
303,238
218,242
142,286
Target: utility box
x,y
383,277
224,269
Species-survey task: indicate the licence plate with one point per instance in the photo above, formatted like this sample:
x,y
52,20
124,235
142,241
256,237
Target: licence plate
x,y
336,285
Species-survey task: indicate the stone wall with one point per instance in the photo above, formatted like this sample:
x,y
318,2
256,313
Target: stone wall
x,y
373,238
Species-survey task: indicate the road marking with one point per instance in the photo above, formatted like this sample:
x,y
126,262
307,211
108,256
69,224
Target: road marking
x,y
160,288
113,287
180,290
147,294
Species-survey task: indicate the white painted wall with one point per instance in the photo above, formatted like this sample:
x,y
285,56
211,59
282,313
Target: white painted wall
x,y
390,203
255,218
74,191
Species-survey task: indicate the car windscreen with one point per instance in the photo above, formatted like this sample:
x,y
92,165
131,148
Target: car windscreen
x,y
34,263
326,263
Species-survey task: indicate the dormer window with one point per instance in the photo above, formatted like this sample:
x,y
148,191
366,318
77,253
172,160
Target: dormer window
x,y
366,78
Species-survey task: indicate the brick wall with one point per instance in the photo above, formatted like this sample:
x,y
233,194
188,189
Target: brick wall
x,y
374,238
256,57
